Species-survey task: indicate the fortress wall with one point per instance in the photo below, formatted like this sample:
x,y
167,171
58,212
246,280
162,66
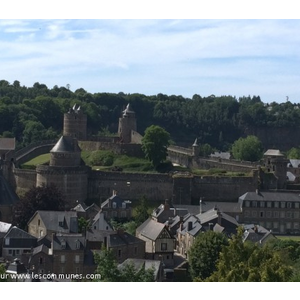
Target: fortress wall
x,y
214,188
72,181
24,179
156,187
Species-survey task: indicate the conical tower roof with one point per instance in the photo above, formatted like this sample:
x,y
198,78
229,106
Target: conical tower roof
x,y
65,144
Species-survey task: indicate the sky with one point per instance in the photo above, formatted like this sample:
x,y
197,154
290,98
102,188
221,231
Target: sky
x,y
150,55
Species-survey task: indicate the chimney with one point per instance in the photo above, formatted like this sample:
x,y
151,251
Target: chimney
x,y
219,217
167,205
180,223
115,193
190,226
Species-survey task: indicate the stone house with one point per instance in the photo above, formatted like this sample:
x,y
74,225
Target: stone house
x,y
45,223
67,256
116,208
159,241
276,211
257,234
122,244
17,243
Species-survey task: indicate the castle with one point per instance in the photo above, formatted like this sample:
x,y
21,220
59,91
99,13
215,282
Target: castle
x,y
79,182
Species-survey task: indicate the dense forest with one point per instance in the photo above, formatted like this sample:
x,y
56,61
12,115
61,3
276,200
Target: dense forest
x,y
34,113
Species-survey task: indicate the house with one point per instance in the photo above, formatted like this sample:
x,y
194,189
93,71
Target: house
x,y
188,229
122,244
45,223
116,208
215,219
166,212
159,241
146,264
257,234
276,211
17,243
4,228
99,222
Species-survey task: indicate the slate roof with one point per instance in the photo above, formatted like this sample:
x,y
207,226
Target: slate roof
x,y
223,155
196,226
118,200
19,238
65,144
226,207
295,163
213,214
119,239
150,229
7,144
4,227
41,248
52,219
256,233
143,264
70,241
270,196
273,152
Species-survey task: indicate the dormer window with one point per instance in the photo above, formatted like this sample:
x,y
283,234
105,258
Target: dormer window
x,y
123,205
114,205
63,244
77,244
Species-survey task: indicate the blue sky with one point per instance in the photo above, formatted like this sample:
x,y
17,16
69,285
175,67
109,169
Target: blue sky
x,y
237,57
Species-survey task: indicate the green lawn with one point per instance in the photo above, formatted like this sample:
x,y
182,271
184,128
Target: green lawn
x,y
289,237
41,159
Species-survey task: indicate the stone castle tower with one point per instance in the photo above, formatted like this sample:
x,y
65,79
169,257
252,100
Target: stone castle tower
x,y
75,123
127,124
66,169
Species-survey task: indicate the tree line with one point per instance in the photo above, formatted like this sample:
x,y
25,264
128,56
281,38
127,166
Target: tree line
x,y
34,113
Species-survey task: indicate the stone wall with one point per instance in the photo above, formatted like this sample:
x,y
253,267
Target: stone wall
x,y
24,180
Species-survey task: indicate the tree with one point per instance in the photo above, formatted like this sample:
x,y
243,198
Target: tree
x,y
204,254
247,262
108,269
155,143
249,148
141,211
3,277
294,153
38,198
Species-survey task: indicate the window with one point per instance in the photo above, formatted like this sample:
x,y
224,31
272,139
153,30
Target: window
x,y
254,214
41,260
275,225
247,203
282,204
282,214
269,214
163,246
269,204
288,214
77,244
254,204
288,225
123,205
10,251
276,204
296,215
77,258
296,225
247,213
123,214
262,204
289,205
62,258
39,222
276,214
268,225
6,241
261,214
296,204
114,205
119,252
63,244
135,250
